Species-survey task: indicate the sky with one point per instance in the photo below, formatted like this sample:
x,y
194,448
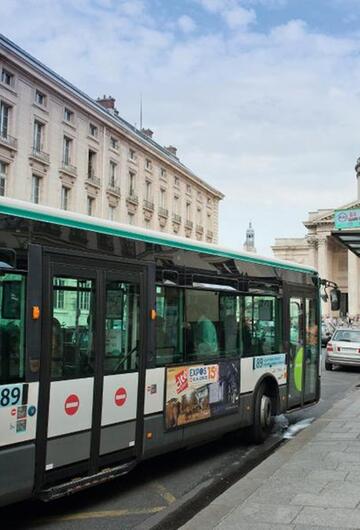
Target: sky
x,y
261,97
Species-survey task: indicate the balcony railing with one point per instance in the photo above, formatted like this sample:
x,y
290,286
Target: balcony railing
x,y
149,205
132,197
40,155
69,168
92,179
210,234
112,188
199,229
176,218
8,140
163,212
189,224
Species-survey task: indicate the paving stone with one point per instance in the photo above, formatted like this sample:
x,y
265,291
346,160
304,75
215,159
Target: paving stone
x,y
261,513
207,518
331,500
342,456
238,493
339,518
246,525
353,476
342,488
326,476
337,436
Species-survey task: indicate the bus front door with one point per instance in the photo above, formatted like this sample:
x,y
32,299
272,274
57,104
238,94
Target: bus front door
x,y
304,358
92,344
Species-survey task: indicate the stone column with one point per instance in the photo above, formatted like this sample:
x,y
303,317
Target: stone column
x,y
313,245
353,283
323,268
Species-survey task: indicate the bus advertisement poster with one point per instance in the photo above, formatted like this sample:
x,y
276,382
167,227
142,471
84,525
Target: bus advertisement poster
x,y
198,392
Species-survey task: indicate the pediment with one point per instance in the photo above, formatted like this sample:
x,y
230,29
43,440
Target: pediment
x,y
328,216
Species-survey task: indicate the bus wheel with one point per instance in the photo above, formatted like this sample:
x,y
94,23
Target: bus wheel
x,y
263,416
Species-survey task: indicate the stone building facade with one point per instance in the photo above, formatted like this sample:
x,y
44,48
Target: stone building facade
x,y
320,249
63,149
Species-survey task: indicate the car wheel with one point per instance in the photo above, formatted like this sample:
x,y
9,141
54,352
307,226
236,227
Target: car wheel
x,y
328,366
263,416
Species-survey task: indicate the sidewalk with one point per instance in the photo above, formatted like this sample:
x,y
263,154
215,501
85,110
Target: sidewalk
x,y
312,482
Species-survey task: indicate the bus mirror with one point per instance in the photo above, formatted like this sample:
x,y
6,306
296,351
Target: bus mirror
x,y
335,295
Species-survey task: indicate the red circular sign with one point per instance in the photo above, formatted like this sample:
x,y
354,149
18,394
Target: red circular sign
x,y
72,404
120,396
13,412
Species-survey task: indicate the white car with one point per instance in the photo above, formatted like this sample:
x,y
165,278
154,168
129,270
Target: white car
x,y
343,348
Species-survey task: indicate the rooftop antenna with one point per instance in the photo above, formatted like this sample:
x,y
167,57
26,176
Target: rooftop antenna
x,y
141,121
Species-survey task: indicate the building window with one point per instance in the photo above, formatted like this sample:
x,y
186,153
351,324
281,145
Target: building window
x,y
188,189
91,164
4,119
93,130
114,143
131,218
176,181
67,150
7,77
188,211
148,190
132,154
163,172
3,174
209,201
176,205
65,196
131,183
68,115
112,179
35,189
90,205
199,217
111,213
162,198
148,163
199,196
40,98
38,135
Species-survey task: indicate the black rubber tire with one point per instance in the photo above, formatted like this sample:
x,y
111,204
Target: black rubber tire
x,y
263,416
328,366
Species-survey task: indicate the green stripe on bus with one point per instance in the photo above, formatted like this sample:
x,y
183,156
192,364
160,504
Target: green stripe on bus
x,y
47,218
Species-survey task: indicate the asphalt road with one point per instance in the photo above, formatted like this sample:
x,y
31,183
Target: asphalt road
x,y
166,491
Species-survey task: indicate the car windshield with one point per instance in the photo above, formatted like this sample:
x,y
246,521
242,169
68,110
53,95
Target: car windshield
x,y
345,335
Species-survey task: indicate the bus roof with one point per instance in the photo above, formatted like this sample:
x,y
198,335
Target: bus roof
x,y
57,216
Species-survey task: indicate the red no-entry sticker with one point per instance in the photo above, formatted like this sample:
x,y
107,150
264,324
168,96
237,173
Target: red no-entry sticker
x,y
120,396
72,404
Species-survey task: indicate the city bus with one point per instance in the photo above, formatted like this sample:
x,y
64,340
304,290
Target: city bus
x,y
119,343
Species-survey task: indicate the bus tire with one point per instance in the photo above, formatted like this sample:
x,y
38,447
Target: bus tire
x,y
328,366
263,416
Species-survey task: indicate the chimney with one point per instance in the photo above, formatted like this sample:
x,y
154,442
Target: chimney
x,y
107,102
147,132
172,149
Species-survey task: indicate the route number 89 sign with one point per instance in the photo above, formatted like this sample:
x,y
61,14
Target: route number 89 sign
x,y
10,395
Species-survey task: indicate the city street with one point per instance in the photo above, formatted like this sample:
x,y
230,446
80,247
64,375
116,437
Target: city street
x,y
167,491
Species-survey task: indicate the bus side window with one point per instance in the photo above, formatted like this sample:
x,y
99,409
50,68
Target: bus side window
x,y
12,328
261,331
169,325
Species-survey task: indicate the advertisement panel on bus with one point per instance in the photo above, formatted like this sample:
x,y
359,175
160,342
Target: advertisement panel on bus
x,y
198,392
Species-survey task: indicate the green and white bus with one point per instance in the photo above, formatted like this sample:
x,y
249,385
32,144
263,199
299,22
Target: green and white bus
x,y
119,343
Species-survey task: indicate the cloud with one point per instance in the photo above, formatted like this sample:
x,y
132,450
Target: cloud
x,y
231,11
186,24
268,116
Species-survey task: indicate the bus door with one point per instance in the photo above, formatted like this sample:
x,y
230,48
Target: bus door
x,y
92,346
304,358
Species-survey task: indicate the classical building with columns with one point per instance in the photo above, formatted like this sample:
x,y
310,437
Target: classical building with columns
x,y
323,249
61,148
